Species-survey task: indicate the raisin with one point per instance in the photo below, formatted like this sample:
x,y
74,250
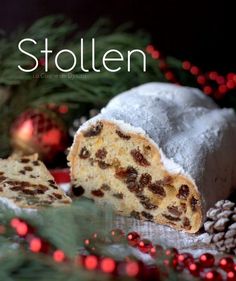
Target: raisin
x,y
186,223
42,187
84,153
39,191
29,192
1,190
22,172
28,168
174,210
147,215
105,187
77,190
16,188
2,178
103,165
24,160
145,201
183,207
36,163
135,215
1,173
51,181
193,203
139,158
97,193
118,195
53,186
156,188
101,153
145,179
149,205
134,187
129,173
58,196
122,135
94,130
171,218
183,192
33,177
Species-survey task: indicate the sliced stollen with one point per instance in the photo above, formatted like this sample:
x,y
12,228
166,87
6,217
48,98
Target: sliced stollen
x,y
25,182
159,152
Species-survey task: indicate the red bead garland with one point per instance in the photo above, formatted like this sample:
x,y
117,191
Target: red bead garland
x,y
211,83
204,267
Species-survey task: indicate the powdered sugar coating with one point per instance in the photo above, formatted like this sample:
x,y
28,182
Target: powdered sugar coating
x,y
195,137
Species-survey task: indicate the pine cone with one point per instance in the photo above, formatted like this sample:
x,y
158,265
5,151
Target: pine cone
x,y
221,226
81,120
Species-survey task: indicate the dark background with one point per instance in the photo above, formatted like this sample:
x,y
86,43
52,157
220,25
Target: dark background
x,y
201,31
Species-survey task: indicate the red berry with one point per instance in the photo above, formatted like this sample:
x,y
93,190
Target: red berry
x,y
145,246
226,263
207,260
212,276
133,239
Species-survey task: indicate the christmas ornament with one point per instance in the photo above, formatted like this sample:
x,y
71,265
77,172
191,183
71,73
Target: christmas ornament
x,y
221,226
81,120
42,132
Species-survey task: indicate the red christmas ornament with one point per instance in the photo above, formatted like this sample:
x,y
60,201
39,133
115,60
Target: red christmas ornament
x,y
207,260
133,239
213,276
226,263
41,132
145,246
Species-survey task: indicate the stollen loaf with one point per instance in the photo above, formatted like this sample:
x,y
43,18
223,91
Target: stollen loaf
x,y
25,183
158,152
